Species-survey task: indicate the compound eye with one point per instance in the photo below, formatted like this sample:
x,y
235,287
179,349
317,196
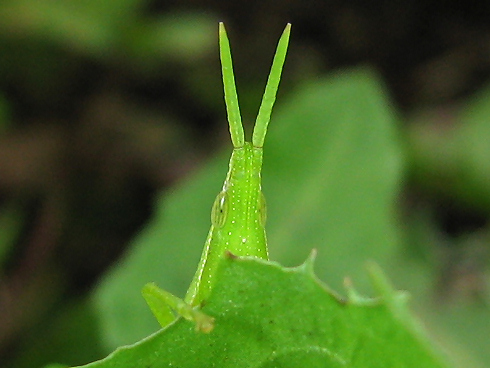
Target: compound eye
x,y
220,210
262,209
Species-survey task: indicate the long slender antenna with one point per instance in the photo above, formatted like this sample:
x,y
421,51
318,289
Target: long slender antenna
x,y
231,98
269,97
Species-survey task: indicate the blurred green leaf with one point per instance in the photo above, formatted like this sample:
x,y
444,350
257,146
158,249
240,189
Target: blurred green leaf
x,y
332,173
73,336
118,30
182,37
449,152
89,25
11,219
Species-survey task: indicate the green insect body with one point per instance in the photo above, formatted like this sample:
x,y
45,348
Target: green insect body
x,y
239,211
238,220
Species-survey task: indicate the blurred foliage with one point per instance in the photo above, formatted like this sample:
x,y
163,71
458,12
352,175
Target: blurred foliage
x,y
105,104
112,30
459,151
10,223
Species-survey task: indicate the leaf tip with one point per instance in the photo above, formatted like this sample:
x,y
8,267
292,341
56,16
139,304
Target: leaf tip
x,y
308,265
394,298
379,279
354,297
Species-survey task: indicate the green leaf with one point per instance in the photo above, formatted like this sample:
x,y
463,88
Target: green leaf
x,y
332,174
270,316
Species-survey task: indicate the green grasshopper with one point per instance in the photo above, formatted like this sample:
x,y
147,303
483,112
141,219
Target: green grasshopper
x,y
239,211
